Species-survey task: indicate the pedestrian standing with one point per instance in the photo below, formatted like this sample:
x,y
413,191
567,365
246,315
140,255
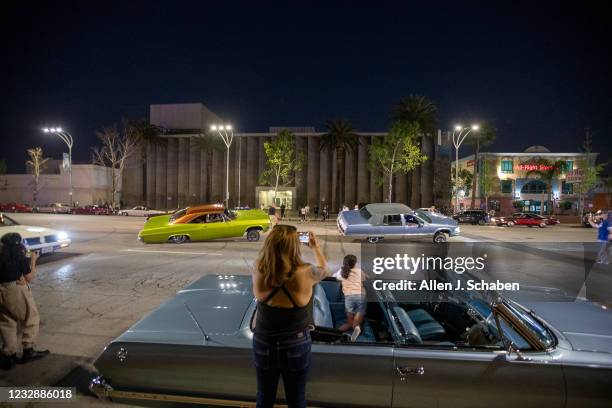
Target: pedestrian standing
x,y
325,213
17,307
303,214
307,213
604,229
282,208
272,215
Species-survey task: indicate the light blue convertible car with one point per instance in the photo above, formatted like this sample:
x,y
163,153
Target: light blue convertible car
x,y
375,222
452,349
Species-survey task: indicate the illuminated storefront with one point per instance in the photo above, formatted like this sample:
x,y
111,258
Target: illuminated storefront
x,y
520,181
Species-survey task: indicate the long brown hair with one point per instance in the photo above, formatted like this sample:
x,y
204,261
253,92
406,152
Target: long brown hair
x,y
279,256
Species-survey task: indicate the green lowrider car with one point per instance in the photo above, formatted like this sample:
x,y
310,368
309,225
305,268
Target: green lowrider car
x,y
212,223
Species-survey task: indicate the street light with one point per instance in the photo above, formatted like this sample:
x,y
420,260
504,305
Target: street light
x,y
227,135
66,138
459,135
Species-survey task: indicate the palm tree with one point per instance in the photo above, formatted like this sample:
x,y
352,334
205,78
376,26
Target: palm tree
x,y
341,137
417,108
548,171
147,135
484,136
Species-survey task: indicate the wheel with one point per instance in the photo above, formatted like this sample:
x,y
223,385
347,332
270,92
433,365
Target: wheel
x,y
373,240
179,239
439,238
253,235
530,226
542,225
481,222
124,213
511,223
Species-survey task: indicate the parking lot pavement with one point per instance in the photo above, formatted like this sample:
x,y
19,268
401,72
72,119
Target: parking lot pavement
x,y
106,280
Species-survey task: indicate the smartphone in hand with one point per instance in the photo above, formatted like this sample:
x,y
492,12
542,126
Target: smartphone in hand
x,y
304,237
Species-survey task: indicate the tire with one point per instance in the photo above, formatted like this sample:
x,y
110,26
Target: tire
x,y
253,235
530,226
542,225
510,223
124,213
179,239
373,240
481,222
439,238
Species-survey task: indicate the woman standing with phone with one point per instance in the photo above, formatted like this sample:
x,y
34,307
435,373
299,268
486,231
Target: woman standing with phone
x,y
283,285
17,306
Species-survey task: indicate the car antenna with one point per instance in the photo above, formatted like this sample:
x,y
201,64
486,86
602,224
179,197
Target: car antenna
x,y
206,336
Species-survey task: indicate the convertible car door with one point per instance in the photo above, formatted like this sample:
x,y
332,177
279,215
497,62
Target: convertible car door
x,y
435,377
350,375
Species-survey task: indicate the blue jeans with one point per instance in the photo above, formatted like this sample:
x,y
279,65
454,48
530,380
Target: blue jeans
x,y
287,355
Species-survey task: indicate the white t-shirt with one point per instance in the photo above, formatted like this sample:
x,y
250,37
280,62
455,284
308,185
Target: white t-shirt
x,y
353,285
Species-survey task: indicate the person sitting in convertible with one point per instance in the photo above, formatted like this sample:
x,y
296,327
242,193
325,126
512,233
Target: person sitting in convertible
x,y
352,279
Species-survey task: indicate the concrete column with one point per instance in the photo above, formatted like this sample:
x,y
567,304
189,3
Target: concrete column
x,y
204,187
301,144
172,173
350,177
151,169
132,181
399,188
325,177
183,172
193,197
261,154
161,201
363,181
415,190
251,146
334,204
218,175
375,187
313,159
427,170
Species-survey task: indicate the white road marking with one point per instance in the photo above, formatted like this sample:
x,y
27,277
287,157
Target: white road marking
x,y
463,239
172,252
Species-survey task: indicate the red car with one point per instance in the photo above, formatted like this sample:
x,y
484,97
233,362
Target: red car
x,y
15,207
90,210
529,220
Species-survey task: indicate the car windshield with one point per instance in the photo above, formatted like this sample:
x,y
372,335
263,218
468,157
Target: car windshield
x,y
178,214
422,215
6,221
365,213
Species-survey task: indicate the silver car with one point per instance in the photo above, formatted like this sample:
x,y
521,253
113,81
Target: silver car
x,y
374,222
453,349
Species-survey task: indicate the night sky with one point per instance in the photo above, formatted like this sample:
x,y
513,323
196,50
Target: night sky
x,y
539,75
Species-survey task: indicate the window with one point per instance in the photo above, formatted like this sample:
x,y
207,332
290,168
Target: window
x,y
534,187
569,165
507,166
506,186
411,220
395,219
567,188
199,220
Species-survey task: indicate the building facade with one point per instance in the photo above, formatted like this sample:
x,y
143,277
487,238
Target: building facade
x,y
517,181
178,171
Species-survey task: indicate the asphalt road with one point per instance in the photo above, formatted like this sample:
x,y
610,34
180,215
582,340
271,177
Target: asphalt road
x,y
106,280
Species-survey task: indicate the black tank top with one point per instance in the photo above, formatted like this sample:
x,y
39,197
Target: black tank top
x,y
278,321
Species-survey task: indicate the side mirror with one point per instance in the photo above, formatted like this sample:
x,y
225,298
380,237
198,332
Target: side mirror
x,y
420,224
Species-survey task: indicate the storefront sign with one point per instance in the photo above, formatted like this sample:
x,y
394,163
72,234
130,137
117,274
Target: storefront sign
x,y
534,167
574,176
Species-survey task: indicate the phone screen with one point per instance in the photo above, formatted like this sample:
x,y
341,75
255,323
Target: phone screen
x,y
304,237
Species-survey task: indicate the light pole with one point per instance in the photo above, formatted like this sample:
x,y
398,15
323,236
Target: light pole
x,y
227,135
66,138
459,135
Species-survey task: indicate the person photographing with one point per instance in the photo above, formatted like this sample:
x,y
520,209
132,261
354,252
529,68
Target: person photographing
x,y
17,306
283,286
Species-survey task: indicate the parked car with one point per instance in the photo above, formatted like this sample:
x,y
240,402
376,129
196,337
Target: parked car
x,y
378,221
40,239
91,210
140,211
520,218
203,223
54,208
15,207
552,220
474,217
196,348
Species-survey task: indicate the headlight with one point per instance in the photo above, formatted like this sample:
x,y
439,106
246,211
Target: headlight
x,y
62,235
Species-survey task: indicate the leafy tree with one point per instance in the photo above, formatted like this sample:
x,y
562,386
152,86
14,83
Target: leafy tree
x,y
282,161
418,109
396,153
37,163
551,171
2,167
340,137
482,137
464,181
488,181
590,170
